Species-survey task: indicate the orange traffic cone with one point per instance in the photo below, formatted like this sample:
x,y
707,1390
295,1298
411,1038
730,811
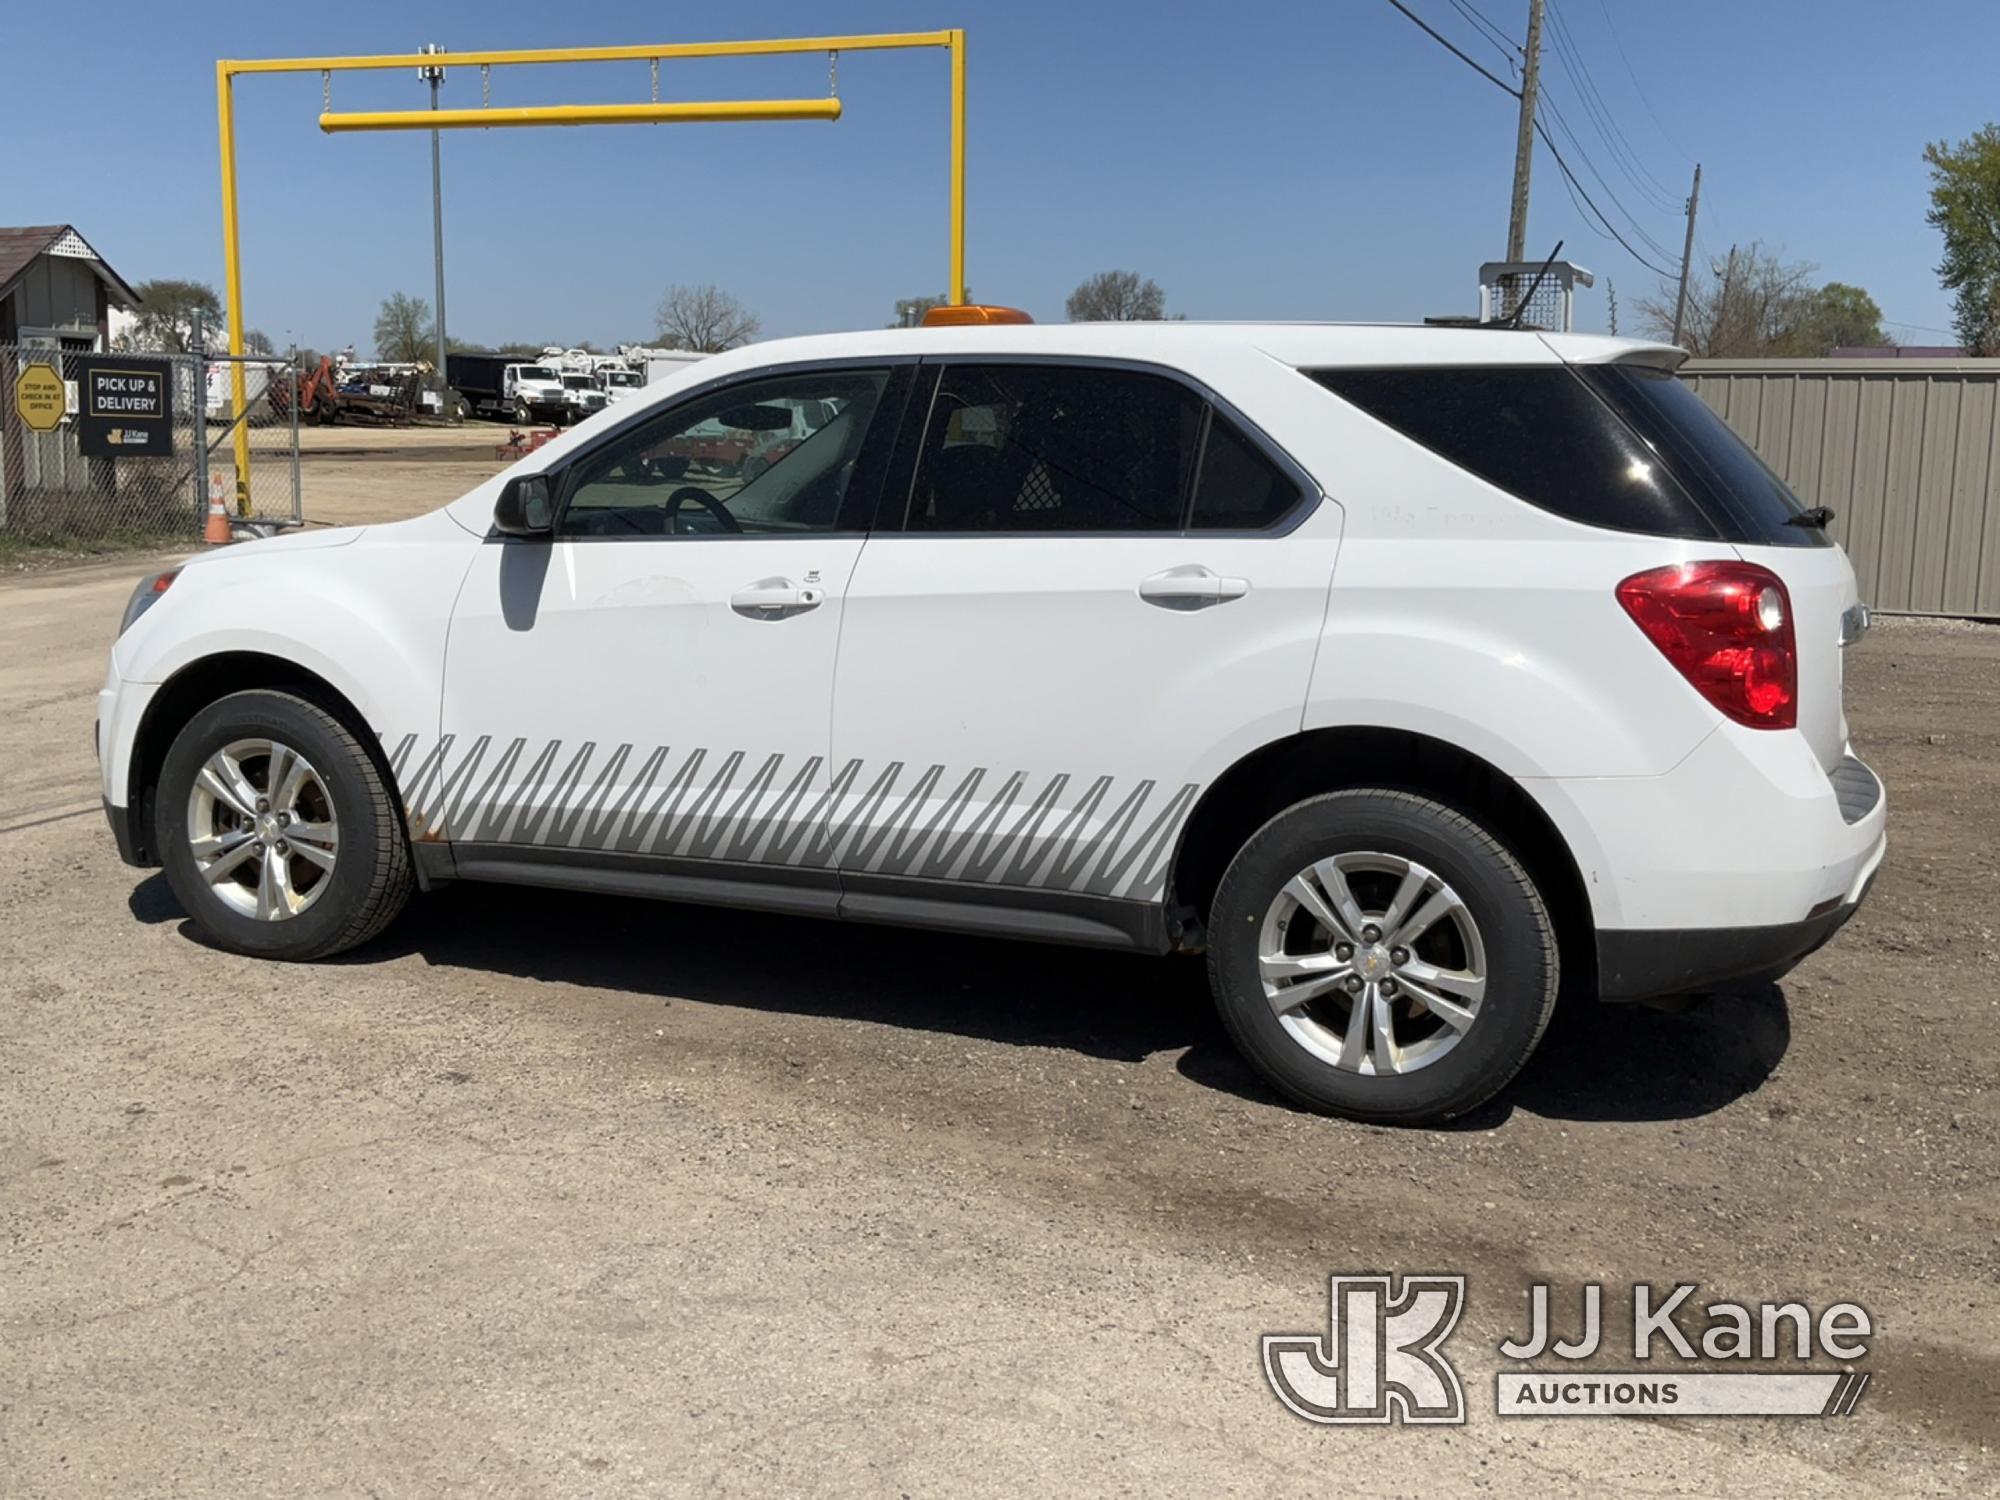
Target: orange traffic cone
x,y
217,532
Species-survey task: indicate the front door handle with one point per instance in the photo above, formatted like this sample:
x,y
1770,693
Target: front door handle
x,y
1192,587
775,599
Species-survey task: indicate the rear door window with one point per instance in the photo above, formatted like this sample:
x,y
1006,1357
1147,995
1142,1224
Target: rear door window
x,y
1025,449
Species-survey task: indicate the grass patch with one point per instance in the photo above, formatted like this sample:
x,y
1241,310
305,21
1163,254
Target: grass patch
x,y
24,554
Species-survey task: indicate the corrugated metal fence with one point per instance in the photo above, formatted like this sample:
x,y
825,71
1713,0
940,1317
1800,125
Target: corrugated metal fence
x,y
1904,452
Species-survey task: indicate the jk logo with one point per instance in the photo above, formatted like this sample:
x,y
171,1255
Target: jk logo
x,y
1378,1360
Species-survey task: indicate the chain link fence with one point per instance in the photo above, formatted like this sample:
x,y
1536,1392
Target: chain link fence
x,y
73,477
252,439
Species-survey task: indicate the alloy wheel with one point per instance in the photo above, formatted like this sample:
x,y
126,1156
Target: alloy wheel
x,y
261,827
1372,963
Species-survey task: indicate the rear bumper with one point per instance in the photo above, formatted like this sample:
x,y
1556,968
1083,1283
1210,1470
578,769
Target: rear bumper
x,y
1749,830
1666,963
1726,871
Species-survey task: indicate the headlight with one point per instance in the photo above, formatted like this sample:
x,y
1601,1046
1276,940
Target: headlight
x,y
150,588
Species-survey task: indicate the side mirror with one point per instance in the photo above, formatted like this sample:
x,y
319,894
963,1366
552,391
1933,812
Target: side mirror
x,y
526,507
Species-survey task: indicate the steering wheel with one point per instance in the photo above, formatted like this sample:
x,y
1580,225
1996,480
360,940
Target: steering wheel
x,y
706,501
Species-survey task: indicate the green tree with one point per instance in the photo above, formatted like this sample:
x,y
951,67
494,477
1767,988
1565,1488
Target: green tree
x,y
404,332
1965,209
1117,297
1839,316
167,310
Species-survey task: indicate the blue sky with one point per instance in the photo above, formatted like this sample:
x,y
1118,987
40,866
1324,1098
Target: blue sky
x,y
1267,159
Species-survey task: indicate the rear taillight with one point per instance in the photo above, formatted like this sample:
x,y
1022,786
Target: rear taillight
x,y
1727,628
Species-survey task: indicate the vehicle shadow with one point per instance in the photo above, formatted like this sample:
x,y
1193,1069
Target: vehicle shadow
x,y
1598,1062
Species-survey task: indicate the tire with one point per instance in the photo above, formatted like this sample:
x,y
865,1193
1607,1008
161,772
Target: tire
x,y
1486,955
340,795
522,415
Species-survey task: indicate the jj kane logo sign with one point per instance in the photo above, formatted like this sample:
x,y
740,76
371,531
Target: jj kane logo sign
x,y
128,407
1381,1358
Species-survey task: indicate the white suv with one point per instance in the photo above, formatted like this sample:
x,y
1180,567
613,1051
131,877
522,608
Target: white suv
x,y
1404,671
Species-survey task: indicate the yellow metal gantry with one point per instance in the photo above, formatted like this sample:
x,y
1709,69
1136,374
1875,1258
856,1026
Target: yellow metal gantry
x,y
227,70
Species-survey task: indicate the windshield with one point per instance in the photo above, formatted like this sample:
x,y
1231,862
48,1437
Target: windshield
x,y
620,377
579,382
535,372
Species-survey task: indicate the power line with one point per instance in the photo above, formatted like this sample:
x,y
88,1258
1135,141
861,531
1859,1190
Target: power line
x,y
1605,121
1445,42
1541,130
1502,43
1637,228
1548,141
1633,73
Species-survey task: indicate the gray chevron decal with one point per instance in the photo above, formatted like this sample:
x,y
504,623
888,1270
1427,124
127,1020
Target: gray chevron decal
x,y
736,805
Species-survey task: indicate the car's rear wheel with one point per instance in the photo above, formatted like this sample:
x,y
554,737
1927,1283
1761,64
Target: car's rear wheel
x,y
1379,955
278,832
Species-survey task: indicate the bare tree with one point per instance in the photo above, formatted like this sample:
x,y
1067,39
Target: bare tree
x,y
1117,297
1748,305
404,333
705,319
1751,304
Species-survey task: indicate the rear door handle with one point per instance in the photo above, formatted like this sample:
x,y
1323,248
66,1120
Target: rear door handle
x,y
775,599
1194,587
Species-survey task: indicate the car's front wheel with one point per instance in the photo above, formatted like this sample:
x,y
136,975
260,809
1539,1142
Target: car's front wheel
x,y
1380,955
279,833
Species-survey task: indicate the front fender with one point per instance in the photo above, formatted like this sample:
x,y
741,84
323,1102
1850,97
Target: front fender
x,y
370,617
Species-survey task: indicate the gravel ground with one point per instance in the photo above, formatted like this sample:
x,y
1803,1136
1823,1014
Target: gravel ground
x,y
352,476
550,1196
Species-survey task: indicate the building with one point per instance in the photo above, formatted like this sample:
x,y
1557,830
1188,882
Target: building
x,y
55,291
56,300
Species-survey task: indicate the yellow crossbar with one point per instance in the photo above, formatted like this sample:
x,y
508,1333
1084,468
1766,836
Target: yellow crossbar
x,y
228,70
583,114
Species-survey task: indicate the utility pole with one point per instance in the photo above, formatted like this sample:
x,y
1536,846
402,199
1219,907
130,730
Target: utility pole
x,y
1524,135
1718,333
434,75
1687,254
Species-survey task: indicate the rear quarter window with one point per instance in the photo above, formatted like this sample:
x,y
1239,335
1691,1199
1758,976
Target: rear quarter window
x,y
1237,486
1538,433
1616,446
1712,463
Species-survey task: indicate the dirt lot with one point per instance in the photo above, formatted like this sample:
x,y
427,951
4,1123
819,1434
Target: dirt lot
x,y
351,476
544,1195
